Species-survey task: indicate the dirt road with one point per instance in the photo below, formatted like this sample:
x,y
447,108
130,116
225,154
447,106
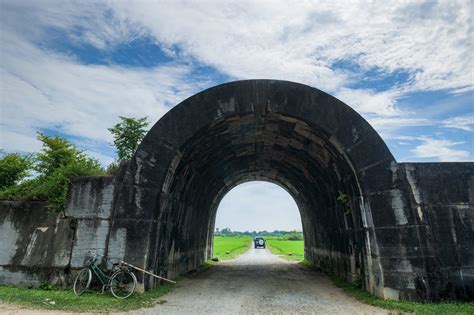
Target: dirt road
x,y
259,282
254,283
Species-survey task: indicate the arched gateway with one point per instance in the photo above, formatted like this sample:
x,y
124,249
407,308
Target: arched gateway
x,y
300,138
406,232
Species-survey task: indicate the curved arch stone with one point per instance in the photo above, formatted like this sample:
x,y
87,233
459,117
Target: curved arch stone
x,y
298,137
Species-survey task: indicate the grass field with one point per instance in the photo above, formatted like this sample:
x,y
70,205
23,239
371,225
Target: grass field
x,y
291,250
228,247
55,299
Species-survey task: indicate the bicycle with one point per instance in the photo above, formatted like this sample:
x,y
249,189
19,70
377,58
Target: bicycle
x,y
122,282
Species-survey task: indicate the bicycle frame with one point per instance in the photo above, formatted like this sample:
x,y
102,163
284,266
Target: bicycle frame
x,y
122,282
103,278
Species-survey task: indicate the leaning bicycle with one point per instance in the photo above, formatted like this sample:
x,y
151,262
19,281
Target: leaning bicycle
x,y
122,282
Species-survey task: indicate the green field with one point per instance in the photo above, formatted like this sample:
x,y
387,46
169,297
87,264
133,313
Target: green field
x,y
228,247
56,299
291,250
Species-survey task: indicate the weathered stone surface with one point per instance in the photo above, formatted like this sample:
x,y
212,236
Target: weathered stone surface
x,y
91,197
34,246
443,200
298,137
37,247
408,232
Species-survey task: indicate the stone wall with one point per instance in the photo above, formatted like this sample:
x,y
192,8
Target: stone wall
x,y
35,247
90,203
437,255
442,194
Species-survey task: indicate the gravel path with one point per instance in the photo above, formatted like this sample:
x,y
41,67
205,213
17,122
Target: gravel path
x,y
259,282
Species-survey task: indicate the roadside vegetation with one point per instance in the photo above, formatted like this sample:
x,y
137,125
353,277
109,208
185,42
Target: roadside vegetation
x,y
47,297
290,235
44,175
51,168
405,306
355,290
287,249
230,246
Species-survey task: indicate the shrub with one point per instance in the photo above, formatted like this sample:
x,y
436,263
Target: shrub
x,y
13,168
58,161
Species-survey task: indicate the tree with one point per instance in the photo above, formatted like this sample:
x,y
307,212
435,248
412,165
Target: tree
x,y
127,136
58,151
226,231
13,168
58,161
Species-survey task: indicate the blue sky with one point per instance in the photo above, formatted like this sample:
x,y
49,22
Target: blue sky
x,y
72,68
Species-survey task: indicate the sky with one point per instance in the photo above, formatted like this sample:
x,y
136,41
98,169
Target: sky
x,y
258,206
71,68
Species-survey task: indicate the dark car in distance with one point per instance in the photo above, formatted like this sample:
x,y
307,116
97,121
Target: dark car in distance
x,y
259,242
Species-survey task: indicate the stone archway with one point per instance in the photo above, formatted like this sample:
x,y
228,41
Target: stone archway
x,y
298,137
407,231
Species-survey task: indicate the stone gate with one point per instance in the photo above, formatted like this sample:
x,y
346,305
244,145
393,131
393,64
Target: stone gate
x,y
406,232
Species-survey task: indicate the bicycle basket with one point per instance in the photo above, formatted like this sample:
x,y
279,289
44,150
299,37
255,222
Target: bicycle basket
x,y
89,259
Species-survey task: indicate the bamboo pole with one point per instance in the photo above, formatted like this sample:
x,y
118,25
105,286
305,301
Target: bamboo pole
x,y
147,272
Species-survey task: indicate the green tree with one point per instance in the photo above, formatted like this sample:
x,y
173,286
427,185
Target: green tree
x,y
127,136
13,168
56,152
56,163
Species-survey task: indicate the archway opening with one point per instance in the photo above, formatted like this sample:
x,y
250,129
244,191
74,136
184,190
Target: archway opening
x,y
255,210
339,171
303,159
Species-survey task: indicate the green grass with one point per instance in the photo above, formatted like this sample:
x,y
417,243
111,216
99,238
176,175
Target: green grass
x,y
228,247
56,299
399,306
291,250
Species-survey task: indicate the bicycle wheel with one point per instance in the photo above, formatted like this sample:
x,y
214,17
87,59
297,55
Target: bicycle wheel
x,y
122,284
82,281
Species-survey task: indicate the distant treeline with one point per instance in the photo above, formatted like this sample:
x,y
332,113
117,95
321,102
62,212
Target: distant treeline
x,y
289,235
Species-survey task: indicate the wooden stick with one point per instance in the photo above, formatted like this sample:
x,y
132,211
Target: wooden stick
x,y
147,272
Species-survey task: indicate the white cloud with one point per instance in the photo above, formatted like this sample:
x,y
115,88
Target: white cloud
x,y
369,102
45,90
389,127
431,42
440,150
92,24
18,140
465,123
299,41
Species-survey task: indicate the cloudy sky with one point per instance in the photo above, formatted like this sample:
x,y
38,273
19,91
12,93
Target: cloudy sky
x,y
72,68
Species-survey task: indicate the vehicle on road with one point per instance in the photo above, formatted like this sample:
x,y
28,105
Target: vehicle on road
x,y
259,242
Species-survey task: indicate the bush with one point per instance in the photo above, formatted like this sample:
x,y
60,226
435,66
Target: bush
x,y
294,236
58,161
13,168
